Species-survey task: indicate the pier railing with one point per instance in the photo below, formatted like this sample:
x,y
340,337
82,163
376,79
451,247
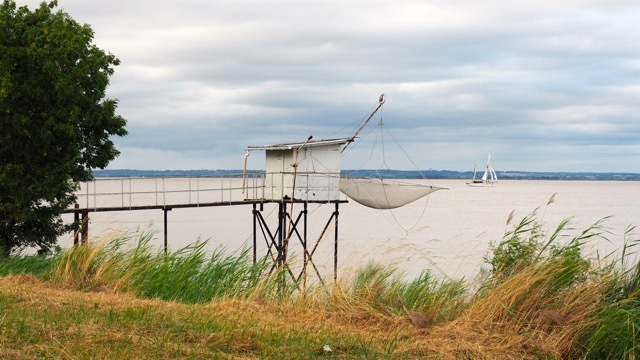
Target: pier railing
x,y
133,192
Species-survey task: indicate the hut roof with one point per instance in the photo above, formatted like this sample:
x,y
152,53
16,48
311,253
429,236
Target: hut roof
x,y
310,143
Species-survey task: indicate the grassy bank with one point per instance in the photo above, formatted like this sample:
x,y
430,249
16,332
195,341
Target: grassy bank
x,y
539,297
41,320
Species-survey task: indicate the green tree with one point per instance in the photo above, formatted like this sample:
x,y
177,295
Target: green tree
x,y
55,121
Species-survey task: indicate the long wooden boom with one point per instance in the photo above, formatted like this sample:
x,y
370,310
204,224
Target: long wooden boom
x,y
381,100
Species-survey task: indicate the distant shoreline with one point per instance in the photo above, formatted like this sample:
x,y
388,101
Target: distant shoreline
x,y
392,174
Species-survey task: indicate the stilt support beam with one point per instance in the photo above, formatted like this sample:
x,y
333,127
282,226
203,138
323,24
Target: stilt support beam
x,y
81,219
278,242
166,232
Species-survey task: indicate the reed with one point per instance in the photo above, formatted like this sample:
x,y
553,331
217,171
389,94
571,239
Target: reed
x,y
37,265
383,290
79,266
188,275
616,333
556,302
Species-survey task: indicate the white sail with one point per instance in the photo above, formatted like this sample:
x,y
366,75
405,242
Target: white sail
x,y
488,178
486,171
494,177
384,194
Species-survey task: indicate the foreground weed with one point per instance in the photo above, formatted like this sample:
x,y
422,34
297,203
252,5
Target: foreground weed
x,y
36,265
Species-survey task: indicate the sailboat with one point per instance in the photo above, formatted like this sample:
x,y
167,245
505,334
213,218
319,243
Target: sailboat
x,y
488,178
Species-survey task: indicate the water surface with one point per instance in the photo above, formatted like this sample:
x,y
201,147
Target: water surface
x,y
447,232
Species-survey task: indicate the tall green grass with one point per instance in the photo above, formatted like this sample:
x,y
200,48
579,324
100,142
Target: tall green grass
x,y
608,305
616,334
37,265
189,275
385,290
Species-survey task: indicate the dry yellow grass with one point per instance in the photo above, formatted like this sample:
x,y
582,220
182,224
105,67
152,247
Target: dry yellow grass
x,y
247,319
515,320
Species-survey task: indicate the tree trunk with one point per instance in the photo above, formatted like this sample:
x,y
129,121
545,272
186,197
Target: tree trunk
x,y
5,247
6,238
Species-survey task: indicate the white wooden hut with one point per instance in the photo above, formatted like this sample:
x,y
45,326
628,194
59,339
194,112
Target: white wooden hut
x,y
306,171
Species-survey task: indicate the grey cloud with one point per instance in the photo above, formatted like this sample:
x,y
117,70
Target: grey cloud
x,y
545,85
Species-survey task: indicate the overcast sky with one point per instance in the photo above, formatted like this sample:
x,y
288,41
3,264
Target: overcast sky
x,y
541,85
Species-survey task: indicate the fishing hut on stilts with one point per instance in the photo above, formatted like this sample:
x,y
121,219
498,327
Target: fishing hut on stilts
x,y
296,175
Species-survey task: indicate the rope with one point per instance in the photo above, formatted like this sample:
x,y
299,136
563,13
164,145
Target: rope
x,y
408,157
385,165
424,209
381,126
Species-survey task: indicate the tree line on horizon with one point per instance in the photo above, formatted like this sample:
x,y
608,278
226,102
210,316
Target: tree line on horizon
x,y
388,174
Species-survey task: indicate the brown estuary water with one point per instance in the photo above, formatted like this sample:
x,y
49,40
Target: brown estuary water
x,y
448,232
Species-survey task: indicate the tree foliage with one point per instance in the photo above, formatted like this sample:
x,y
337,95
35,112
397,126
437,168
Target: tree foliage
x,y
55,121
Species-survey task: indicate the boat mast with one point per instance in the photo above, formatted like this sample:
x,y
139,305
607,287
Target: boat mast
x,y
487,170
381,100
